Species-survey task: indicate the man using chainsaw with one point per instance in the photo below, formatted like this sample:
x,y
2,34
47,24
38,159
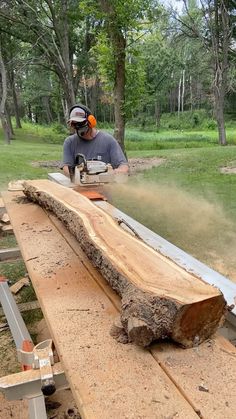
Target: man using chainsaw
x,y
94,144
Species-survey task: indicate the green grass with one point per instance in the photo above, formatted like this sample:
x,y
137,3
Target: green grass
x,y
17,159
13,270
186,200
8,241
189,202
175,139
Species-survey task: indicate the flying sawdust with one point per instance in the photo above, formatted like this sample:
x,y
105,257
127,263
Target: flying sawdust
x,y
194,224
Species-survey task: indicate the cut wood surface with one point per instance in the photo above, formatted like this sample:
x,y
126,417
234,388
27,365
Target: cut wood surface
x,y
104,364
159,299
210,366
107,379
5,218
15,288
7,229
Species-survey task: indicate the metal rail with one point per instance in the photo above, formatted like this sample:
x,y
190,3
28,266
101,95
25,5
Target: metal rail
x,y
37,409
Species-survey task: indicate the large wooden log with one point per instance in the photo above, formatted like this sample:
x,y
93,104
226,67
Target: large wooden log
x,y
159,299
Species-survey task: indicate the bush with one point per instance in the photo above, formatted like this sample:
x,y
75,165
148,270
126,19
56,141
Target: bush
x,y
59,128
209,124
186,120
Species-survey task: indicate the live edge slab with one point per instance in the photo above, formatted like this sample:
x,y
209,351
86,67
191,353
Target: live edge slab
x,y
159,299
108,378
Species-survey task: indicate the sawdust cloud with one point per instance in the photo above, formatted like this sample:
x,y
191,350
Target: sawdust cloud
x,y
194,224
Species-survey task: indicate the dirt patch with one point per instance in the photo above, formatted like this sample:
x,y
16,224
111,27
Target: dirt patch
x,y
228,170
136,164
49,163
146,163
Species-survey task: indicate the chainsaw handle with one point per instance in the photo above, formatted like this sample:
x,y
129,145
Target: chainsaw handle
x,y
79,159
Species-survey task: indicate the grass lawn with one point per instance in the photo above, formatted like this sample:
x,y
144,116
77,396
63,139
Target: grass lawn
x,y
17,158
187,199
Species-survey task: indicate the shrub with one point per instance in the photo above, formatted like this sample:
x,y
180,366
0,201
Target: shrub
x,y
59,128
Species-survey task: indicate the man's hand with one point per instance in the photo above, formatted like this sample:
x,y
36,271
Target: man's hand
x,y
123,168
66,171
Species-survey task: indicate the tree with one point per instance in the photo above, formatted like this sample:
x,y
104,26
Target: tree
x,y
120,20
48,26
214,29
3,116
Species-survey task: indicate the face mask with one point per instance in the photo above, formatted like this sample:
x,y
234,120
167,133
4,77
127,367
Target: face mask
x,y
81,129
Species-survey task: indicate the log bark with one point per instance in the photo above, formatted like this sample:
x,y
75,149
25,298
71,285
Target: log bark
x,y
159,299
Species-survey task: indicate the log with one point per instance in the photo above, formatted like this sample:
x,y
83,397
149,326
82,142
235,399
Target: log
x,y
158,298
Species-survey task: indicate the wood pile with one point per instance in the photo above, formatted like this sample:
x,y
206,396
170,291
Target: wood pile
x,y
5,226
159,299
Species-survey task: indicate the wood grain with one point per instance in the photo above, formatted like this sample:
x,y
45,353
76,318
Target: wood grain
x,y
159,299
107,379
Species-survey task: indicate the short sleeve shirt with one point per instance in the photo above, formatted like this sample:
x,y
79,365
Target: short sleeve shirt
x,y
102,147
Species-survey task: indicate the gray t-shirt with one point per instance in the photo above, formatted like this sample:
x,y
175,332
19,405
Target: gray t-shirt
x,y
102,147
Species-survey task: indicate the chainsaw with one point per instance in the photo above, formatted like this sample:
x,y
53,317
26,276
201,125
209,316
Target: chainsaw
x,y
90,172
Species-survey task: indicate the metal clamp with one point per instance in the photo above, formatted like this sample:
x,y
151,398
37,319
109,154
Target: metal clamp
x,y
41,357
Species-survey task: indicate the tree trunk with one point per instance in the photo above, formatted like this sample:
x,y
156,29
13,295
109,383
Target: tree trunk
x,y
191,93
179,95
119,48
119,88
93,96
14,97
159,299
47,109
221,34
3,117
9,121
183,91
29,112
16,107
157,114
63,63
219,113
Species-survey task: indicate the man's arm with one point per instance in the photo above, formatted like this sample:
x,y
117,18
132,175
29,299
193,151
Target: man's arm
x,y
118,160
66,170
68,158
123,168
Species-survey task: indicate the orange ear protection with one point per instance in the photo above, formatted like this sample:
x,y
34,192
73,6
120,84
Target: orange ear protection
x,y
92,122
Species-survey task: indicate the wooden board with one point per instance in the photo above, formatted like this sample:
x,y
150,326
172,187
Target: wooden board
x,y
159,299
211,365
106,378
205,375
15,288
11,253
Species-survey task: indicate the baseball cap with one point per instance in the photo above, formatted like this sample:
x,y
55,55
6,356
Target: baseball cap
x,y
78,115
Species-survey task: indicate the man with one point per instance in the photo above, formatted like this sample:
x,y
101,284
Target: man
x,y
88,140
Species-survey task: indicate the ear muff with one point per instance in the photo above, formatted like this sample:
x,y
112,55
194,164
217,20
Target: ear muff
x,y
92,122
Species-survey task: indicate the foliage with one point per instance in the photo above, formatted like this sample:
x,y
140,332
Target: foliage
x,y
58,52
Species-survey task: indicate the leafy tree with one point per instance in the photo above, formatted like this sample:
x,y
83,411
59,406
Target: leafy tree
x,y
119,20
213,25
49,26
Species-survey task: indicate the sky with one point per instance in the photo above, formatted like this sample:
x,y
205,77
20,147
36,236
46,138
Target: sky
x,y
176,4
